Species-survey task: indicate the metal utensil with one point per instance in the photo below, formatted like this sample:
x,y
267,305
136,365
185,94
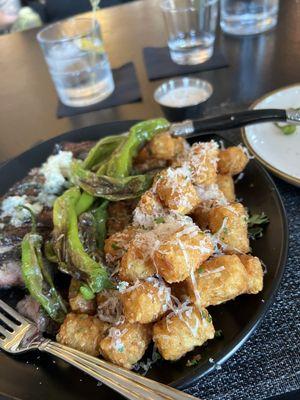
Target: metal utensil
x,y
18,335
200,127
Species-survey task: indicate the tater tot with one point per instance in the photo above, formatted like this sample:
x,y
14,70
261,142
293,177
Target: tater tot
x,y
200,216
232,161
82,332
116,245
145,302
77,302
143,155
203,159
229,223
182,148
126,344
255,273
181,253
178,333
149,164
162,146
148,210
179,290
176,190
218,280
145,161
226,185
135,263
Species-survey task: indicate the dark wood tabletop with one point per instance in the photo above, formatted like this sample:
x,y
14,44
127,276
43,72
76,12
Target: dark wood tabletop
x,y
28,99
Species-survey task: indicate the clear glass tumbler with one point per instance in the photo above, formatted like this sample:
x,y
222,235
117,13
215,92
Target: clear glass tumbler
x,y
77,62
191,27
248,17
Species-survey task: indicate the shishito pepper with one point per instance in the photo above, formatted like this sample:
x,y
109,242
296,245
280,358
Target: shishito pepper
x,y
100,216
120,163
69,249
102,149
37,278
107,187
97,156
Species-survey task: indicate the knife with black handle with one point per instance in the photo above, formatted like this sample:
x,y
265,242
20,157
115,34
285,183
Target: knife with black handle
x,y
189,128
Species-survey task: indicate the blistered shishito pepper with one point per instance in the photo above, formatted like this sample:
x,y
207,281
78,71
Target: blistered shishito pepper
x,y
94,274
120,163
102,150
69,249
100,215
37,278
107,187
97,157
87,200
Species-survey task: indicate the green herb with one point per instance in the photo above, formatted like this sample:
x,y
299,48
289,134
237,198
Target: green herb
x,y
159,220
257,219
115,246
193,361
121,349
208,318
86,292
219,333
201,270
255,232
256,224
287,129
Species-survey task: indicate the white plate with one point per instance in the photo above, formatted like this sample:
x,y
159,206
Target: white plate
x,y
278,152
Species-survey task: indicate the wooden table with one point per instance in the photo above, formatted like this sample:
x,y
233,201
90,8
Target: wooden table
x,y
28,99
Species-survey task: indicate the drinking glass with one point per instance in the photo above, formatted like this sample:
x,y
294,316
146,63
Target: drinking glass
x,y
191,27
248,17
77,62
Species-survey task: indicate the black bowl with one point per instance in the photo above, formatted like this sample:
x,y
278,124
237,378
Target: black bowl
x,y
36,375
180,113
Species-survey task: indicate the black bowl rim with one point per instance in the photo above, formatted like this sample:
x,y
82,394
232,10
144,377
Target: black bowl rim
x,y
236,344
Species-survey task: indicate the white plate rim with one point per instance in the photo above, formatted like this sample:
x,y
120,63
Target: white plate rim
x,y
288,178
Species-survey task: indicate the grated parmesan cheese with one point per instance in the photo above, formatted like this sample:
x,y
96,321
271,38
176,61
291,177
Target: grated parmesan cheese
x,y
116,335
246,151
211,193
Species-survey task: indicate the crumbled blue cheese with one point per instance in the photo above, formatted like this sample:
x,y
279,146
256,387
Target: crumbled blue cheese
x,y
56,170
11,207
46,199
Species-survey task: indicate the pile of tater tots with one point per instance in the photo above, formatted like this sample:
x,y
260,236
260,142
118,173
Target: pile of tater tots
x,y
182,247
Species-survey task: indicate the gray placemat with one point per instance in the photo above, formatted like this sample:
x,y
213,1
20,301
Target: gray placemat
x,y
269,363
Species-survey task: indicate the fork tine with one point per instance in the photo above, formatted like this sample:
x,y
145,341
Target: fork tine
x,y
8,322
4,332
11,312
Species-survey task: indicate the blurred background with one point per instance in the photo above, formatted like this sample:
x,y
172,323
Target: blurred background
x,y
19,15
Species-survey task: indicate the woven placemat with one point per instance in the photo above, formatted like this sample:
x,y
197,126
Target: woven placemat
x,y
269,362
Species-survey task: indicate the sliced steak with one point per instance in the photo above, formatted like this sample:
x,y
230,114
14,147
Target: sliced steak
x,y
31,309
11,236
79,150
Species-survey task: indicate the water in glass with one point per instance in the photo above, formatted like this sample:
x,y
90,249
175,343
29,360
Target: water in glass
x,y
78,64
191,26
248,17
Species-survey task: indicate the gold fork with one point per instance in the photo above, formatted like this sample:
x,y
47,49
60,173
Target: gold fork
x,y
18,335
